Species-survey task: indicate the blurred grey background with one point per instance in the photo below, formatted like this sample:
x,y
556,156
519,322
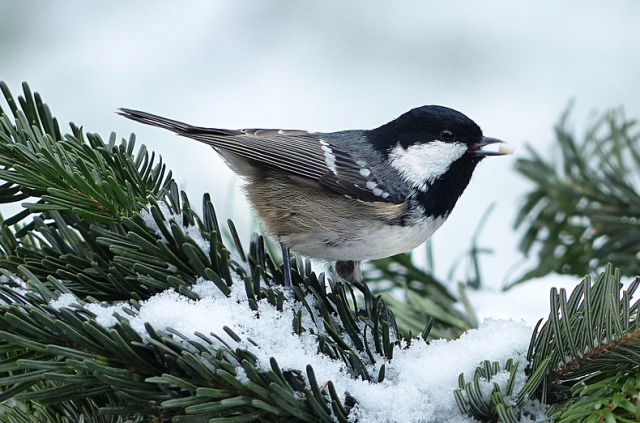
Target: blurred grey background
x,y
513,67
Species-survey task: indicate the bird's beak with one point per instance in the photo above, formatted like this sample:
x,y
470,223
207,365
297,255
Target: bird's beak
x,y
479,151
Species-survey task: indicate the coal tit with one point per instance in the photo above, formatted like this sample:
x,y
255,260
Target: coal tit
x,y
351,195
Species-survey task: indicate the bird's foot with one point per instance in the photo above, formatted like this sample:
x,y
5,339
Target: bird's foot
x,y
349,271
286,265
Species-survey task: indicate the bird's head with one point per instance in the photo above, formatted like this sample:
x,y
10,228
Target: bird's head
x,y
427,142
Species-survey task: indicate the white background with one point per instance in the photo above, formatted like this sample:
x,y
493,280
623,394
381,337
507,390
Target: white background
x,y
513,67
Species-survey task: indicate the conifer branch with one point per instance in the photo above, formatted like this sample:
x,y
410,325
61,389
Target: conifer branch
x,y
589,338
584,209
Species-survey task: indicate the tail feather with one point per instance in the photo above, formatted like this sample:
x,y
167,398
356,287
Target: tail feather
x,y
176,126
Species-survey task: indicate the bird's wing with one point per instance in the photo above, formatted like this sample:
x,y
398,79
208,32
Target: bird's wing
x,y
300,154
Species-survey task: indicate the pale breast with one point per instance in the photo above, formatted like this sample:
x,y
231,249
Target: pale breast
x,y
328,226
371,242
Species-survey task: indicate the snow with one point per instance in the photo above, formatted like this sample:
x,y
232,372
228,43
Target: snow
x,y
419,381
527,302
192,231
105,314
64,300
15,284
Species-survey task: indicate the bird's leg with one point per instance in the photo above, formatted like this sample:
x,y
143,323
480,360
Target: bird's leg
x,y
286,260
350,271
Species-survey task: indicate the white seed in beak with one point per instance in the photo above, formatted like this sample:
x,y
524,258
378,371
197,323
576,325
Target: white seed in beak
x,y
505,149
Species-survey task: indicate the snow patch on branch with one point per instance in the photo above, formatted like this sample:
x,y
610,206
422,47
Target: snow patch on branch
x,y
419,381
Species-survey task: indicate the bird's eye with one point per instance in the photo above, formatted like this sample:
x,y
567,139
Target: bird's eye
x,y
447,135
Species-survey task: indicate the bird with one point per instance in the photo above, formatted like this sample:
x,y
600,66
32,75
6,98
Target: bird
x,y
350,195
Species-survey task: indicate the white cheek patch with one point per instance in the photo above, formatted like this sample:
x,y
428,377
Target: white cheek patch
x,y
421,164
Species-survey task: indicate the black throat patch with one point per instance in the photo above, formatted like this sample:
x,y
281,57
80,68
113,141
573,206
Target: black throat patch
x,y
442,195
